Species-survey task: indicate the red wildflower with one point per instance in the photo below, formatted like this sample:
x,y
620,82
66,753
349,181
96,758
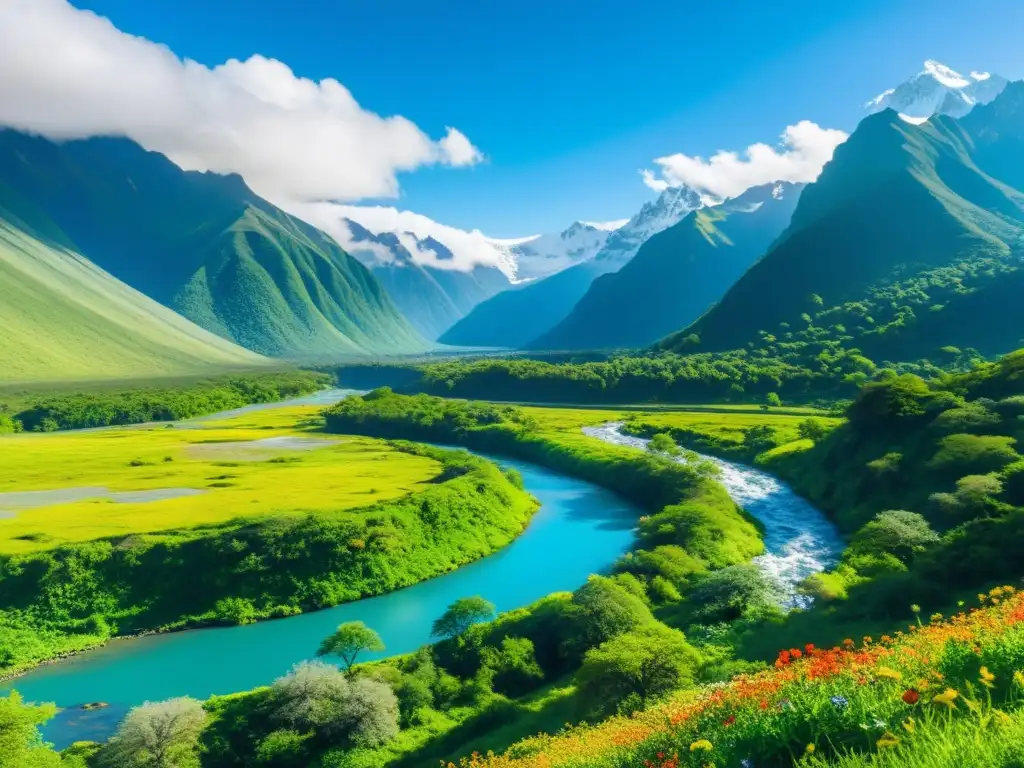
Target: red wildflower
x,y
911,696
730,720
796,653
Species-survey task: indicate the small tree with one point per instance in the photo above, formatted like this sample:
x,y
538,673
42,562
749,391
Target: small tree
x,y
895,532
20,742
461,615
664,444
348,641
158,735
772,400
812,429
637,667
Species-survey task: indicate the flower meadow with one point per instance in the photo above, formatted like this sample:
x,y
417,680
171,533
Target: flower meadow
x,y
947,686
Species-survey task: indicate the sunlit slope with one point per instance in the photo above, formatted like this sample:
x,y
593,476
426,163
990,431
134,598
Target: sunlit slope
x,y
65,318
206,246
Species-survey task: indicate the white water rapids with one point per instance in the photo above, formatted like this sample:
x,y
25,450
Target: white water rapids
x,y
798,539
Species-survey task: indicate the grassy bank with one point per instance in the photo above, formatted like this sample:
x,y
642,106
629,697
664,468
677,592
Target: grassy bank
x,y
275,532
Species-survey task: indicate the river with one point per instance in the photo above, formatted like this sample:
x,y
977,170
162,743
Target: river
x,y
579,529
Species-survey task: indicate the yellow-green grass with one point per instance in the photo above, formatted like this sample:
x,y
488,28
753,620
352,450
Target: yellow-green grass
x,y
351,472
732,427
728,427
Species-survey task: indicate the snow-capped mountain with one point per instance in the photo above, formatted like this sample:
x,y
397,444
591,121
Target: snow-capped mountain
x,y
939,90
542,255
670,208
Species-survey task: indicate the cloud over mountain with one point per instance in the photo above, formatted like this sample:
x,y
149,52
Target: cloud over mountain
x,y
67,73
803,151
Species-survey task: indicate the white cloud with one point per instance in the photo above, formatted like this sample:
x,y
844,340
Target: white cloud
x,y
67,73
469,248
803,151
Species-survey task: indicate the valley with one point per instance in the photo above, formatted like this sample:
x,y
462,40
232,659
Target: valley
x,y
721,468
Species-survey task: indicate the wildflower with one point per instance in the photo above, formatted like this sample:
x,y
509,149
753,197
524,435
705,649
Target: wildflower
x,y
887,673
936,617
915,608
911,696
661,755
947,698
1018,678
809,749
729,721
701,745
986,678
867,640
888,741
848,643
839,702
909,726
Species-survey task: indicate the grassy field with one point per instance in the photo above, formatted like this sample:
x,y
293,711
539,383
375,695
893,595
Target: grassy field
x,y
237,482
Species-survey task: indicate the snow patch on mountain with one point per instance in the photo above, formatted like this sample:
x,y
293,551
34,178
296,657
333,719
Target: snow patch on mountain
x,y
938,90
669,208
542,255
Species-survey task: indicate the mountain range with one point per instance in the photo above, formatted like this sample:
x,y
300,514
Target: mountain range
x,y
433,298
543,255
676,274
516,318
205,246
912,238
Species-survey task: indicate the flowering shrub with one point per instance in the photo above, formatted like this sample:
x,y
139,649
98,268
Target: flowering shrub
x,y
870,698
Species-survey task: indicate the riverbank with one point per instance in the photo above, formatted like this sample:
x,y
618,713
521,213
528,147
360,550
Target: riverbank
x,y
336,525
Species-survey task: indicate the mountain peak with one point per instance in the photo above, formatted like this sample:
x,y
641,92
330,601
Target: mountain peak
x,y
939,89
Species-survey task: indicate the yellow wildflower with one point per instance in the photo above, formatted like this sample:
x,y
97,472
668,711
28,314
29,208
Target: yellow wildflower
x,y
809,749
701,745
947,698
915,608
888,741
909,726
887,673
986,678
936,617
1018,678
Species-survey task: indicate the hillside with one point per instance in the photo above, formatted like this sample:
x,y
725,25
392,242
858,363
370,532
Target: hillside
x,y
431,298
903,245
206,246
64,318
517,316
677,274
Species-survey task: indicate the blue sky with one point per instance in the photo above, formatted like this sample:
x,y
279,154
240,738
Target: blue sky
x,y
569,99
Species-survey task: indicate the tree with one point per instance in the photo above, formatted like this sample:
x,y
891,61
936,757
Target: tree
x,y
812,429
20,743
772,400
158,735
604,609
664,444
348,641
640,665
319,697
461,615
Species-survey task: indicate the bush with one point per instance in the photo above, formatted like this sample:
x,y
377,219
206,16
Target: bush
x,y
726,594
812,429
235,610
974,454
603,609
514,666
896,532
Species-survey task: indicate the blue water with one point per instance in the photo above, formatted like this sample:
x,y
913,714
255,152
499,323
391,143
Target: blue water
x,y
580,529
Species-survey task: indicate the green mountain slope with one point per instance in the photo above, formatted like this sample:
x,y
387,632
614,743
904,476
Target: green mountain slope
x,y
518,316
431,298
903,245
65,318
677,274
208,247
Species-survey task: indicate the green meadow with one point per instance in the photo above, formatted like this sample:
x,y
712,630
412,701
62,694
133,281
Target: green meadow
x,y
236,476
